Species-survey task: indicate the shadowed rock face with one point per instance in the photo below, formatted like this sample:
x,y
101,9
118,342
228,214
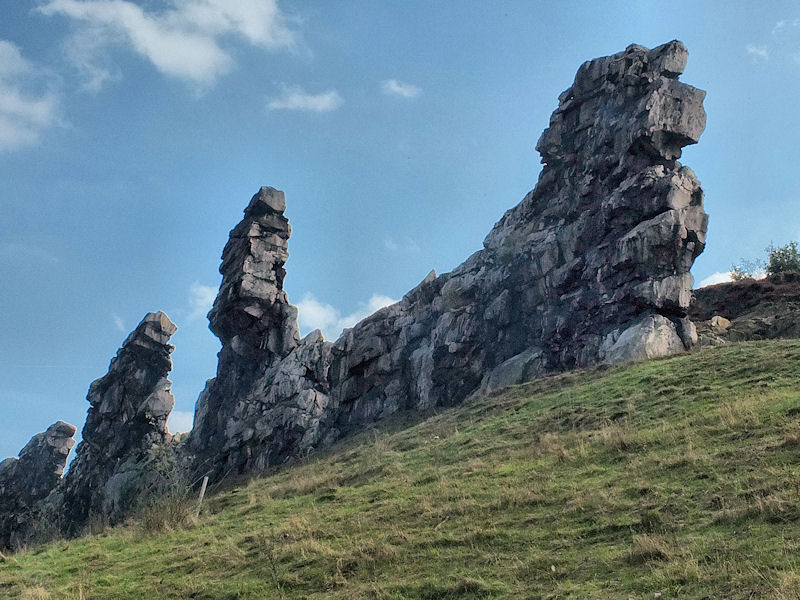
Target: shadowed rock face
x,y
29,479
592,266
125,428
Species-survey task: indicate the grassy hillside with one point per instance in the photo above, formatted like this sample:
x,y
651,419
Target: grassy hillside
x,y
678,478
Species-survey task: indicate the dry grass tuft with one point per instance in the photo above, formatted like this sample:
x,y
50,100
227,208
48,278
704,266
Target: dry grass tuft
x,y
36,593
648,547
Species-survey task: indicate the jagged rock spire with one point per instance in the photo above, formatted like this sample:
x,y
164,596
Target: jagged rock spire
x,y
127,419
592,266
252,318
29,479
251,315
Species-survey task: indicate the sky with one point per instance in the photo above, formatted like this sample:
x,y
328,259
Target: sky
x,y
133,134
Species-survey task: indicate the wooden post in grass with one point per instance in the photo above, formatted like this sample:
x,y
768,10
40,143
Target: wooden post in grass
x,y
202,494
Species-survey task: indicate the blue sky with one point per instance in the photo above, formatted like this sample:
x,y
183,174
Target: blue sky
x,y
132,135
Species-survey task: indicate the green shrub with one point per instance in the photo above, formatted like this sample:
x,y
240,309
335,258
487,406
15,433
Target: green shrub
x,y
784,259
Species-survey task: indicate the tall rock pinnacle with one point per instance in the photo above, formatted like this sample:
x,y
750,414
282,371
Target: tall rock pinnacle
x,y
127,420
251,315
592,266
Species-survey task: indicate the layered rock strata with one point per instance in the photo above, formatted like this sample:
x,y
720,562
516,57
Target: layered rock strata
x,y
592,266
27,480
125,449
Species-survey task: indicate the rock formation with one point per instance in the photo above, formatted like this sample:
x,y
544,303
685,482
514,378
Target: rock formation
x,y
257,327
26,481
592,266
125,435
751,309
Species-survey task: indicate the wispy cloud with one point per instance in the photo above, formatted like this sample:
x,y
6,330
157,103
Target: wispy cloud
x,y
26,252
294,98
393,87
180,421
28,105
314,314
183,40
406,245
201,299
715,278
759,53
785,25
118,322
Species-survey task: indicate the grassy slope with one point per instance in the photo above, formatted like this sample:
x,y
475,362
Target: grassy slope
x,y
677,477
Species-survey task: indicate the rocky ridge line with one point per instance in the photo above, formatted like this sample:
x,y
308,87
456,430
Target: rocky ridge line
x,y
592,266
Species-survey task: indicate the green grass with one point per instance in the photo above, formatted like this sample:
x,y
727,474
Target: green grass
x,y
678,477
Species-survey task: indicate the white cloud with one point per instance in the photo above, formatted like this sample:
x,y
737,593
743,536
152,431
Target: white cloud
x,y
201,299
86,51
294,98
27,106
784,25
183,40
757,52
313,314
714,278
118,322
405,246
393,87
180,420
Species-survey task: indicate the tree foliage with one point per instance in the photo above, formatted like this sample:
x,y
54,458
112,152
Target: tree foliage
x,y
784,259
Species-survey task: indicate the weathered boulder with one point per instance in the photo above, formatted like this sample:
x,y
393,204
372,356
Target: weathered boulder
x,y
27,480
125,449
592,266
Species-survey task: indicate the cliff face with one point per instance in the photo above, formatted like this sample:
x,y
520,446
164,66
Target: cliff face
x,y
592,266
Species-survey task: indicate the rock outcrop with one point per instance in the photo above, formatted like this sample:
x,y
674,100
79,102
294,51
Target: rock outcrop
x,y
751,309
26,481
257,326
124,452
592,266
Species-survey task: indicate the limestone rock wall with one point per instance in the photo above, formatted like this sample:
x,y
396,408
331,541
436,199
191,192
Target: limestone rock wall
x,y
592,266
